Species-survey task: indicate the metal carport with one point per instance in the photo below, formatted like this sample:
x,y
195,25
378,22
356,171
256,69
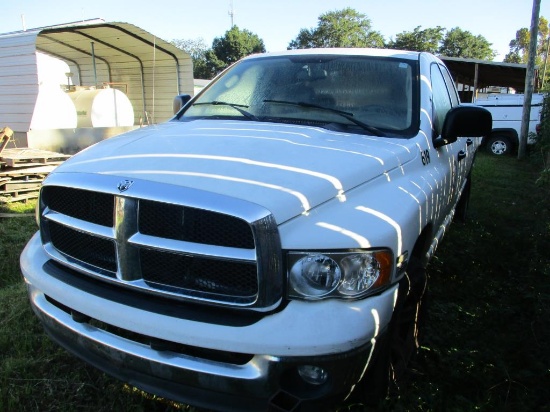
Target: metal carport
x,y
479,74
121,53
151,71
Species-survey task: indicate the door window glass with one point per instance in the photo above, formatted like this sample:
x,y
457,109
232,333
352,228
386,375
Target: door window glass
x,y
441,100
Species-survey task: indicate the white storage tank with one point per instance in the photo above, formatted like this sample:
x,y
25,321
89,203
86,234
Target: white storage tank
x,y
102,108
53,109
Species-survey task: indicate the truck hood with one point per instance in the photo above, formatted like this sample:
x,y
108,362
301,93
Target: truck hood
x,y
287,169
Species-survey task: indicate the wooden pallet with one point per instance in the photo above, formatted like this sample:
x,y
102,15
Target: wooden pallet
x,y
19,185
19,197
23,184
23,157
14,190
22,171
16,215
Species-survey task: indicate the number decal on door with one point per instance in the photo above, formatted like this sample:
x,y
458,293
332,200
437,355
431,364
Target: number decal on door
x,y
425,155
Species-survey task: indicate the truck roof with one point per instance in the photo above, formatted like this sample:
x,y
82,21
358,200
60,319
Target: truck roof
x,y
402,54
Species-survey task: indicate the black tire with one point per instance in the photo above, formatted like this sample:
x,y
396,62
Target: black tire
x,y
389,370
499,145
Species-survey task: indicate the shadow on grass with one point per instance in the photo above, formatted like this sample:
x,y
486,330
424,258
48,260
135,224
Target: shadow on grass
x,y
487,338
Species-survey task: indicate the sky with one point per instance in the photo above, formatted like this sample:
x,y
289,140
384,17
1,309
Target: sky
x,y
278,22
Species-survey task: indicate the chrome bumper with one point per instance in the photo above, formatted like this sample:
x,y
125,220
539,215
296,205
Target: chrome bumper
x,y
256,385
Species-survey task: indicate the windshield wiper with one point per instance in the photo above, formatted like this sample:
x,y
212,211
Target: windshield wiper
x,y
345,115
235,106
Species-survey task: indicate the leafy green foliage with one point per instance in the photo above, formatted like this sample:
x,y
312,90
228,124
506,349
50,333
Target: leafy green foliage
x,y
519,46
426,40
461,43
197,49
340,28
349,28
452,43
542,146
233,46
236,44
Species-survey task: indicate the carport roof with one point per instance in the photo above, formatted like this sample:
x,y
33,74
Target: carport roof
x,y
116,40
489,73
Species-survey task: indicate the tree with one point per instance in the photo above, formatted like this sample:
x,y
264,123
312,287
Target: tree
x,y
453,43
341,28
198,50
426,40
213,65
235,45
519,46
461,43
226,50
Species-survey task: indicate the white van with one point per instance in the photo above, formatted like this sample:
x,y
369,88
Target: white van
x,y
507,111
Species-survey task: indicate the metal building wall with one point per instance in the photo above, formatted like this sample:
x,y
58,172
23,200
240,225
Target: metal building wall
x,y
18,80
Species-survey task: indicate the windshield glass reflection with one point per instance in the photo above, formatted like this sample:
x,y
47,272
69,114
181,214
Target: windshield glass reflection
x,y
356,94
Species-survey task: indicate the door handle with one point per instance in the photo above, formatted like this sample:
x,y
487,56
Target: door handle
x,y
461,155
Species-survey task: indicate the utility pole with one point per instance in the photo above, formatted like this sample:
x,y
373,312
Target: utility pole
x,y
529,81
545,61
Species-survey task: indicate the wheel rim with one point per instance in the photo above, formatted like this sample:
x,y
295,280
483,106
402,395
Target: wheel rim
x,y
498,147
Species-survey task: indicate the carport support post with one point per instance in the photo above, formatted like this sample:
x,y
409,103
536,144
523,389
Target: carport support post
x,y
93,63
476,77
529,81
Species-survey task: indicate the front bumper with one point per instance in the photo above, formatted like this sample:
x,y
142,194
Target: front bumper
x,y
75,318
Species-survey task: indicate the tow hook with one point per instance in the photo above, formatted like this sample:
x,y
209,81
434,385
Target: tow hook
x,y
283,401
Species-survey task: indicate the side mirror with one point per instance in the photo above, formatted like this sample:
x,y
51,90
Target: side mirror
x,y
465,121
180,101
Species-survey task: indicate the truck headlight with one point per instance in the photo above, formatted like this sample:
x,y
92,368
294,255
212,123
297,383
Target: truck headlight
x,y
338,274
315,275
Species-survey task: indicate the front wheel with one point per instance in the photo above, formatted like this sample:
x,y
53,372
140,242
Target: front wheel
x,y
499,145
389,370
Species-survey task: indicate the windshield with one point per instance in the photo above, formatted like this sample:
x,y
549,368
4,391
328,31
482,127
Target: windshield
x,y
358,94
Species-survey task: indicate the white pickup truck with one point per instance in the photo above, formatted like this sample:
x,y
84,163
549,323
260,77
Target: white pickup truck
x,y
265,248
507,113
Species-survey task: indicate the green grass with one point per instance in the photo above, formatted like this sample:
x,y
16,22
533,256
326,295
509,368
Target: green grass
x,y
35,373
487,340
14,233
486,346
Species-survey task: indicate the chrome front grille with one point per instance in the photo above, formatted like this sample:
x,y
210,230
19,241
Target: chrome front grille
x,y
95,251
172,270
193,225
183,244
81,204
